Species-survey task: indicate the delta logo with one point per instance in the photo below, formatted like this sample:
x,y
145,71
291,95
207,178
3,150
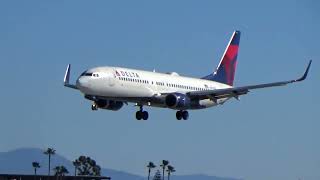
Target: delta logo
x,y
127,74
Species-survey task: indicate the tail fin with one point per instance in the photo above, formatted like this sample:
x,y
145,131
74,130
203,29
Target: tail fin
x,y
226,69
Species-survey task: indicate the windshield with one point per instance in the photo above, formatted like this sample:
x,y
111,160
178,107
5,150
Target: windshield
x,y
86,74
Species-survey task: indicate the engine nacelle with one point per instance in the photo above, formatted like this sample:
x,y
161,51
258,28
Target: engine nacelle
x,y
109,104
177,101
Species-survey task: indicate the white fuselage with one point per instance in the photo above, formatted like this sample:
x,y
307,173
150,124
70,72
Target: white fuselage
x,y
137,86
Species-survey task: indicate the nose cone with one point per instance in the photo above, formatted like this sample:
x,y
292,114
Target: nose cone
x,y
82,83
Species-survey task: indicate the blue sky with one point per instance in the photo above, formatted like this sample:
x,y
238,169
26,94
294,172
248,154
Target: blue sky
x,y
269,134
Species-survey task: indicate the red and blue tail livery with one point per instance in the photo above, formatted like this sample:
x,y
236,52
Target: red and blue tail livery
x,y
226,69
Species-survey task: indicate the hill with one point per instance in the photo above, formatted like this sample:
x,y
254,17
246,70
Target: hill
x,y
19,161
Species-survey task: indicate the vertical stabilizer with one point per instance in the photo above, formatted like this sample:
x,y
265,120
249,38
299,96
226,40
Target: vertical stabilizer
x,y
226,69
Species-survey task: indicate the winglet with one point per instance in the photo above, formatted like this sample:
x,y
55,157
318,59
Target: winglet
x,y
67,75
305,73
67,78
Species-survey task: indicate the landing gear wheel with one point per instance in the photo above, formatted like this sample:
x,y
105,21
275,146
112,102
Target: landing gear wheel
x,y
139,115
145,115
179,115
142,114
94,107
185,115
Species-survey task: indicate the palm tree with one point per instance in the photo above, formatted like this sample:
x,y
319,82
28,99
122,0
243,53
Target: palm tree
x,y
76,164
35,165
164,165
49,152
63,170
170,169
56,170
150,166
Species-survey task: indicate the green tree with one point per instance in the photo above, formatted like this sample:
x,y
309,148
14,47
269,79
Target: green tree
x,y
35,165
150,166
60,171
170,169
76,164
157,175
49,152
164,164
88,167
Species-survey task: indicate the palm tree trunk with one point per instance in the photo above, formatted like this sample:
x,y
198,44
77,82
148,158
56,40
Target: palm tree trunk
x,y
169,175
163,172
149,174
35,173
49,165
75,171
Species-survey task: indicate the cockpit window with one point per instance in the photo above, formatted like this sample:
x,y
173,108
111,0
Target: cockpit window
x,y
86,74
95,75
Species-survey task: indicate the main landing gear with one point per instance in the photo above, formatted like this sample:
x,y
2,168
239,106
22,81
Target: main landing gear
x,y
182,115
142,114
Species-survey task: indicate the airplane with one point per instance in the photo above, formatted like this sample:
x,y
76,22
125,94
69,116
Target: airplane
x,y
111,87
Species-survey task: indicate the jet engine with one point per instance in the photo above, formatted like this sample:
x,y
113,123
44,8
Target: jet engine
x,y
177,101
109,104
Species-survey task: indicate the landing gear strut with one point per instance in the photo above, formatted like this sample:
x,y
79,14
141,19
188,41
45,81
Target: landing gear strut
x,y
142,114
182,115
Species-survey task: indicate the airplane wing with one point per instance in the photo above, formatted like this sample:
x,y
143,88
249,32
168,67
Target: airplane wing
x,y
237,91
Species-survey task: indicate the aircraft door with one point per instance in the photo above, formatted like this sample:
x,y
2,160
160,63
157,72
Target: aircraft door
x,y
111,78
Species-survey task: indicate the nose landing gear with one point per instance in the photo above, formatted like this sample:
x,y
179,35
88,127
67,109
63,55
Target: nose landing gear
x,y
182,115
142,114
94,107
